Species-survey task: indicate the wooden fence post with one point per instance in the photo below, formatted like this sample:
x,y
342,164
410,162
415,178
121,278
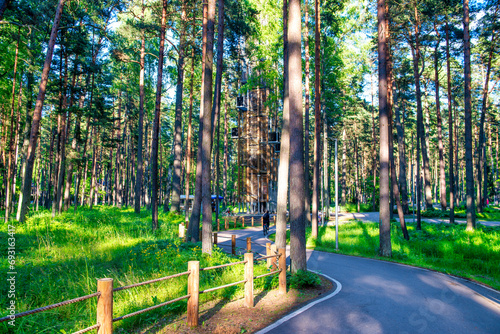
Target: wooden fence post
x,y
218,224
181,230
282,266
233,244
274,263
249,280
268,252
236,222
193,291
226,224
252,221
215,238
105,305
249,244
243,223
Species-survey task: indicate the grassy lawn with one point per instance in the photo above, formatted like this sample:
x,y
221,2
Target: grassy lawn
x,y
490,213
442,247
61,258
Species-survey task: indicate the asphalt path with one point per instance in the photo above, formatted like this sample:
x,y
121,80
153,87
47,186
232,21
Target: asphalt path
x,y
383,297
374,217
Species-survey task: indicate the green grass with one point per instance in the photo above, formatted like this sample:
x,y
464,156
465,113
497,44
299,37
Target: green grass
x,y
61,258
489,214
352,207
442,247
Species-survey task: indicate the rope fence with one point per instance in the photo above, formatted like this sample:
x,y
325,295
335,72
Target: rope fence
x,y
104,324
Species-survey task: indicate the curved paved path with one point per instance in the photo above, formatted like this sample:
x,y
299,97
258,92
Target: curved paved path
x,y
385,297
374,217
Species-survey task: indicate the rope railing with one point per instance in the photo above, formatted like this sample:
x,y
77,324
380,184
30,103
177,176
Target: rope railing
x,y
105,290
151,281
223,265
277,256
223,286
269,273
88,329
151,308
49,307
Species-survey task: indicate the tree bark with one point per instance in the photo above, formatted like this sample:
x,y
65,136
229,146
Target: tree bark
x,y
206,138
450,128
481,164
217,97
176,179
62,144
385,224
317,120
442,175
297,208
194,221
156,122
307,199
139,171
344,167
26,192
402,162
10,165
469,171
283,168
189,139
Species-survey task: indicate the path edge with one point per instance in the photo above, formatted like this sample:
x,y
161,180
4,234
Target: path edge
x,y
305,308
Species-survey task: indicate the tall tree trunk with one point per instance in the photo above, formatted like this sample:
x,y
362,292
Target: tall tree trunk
x,y
226,147
326,172
390,102
189,139
217,97
385,224
194,221
469,168
156,122
10,166
374,148
356,176
62,145
25,196
176,179
297,209
402,162
317,120
306,114
283,169
117,184
481,164
420,122
140,126
206,138
450,128
344,167
442,175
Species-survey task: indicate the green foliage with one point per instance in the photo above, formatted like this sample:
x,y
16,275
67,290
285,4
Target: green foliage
x,y
304,279
61,258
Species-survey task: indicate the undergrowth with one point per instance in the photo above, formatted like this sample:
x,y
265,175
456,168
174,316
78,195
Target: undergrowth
x,y
61,258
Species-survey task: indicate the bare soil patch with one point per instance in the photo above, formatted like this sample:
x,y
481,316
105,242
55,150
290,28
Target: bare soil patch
x,y
232,317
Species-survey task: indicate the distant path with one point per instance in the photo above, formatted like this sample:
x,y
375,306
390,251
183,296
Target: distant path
x,y
386,297
374,217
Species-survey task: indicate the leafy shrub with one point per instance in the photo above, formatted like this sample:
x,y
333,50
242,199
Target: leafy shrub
x,y
304,279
